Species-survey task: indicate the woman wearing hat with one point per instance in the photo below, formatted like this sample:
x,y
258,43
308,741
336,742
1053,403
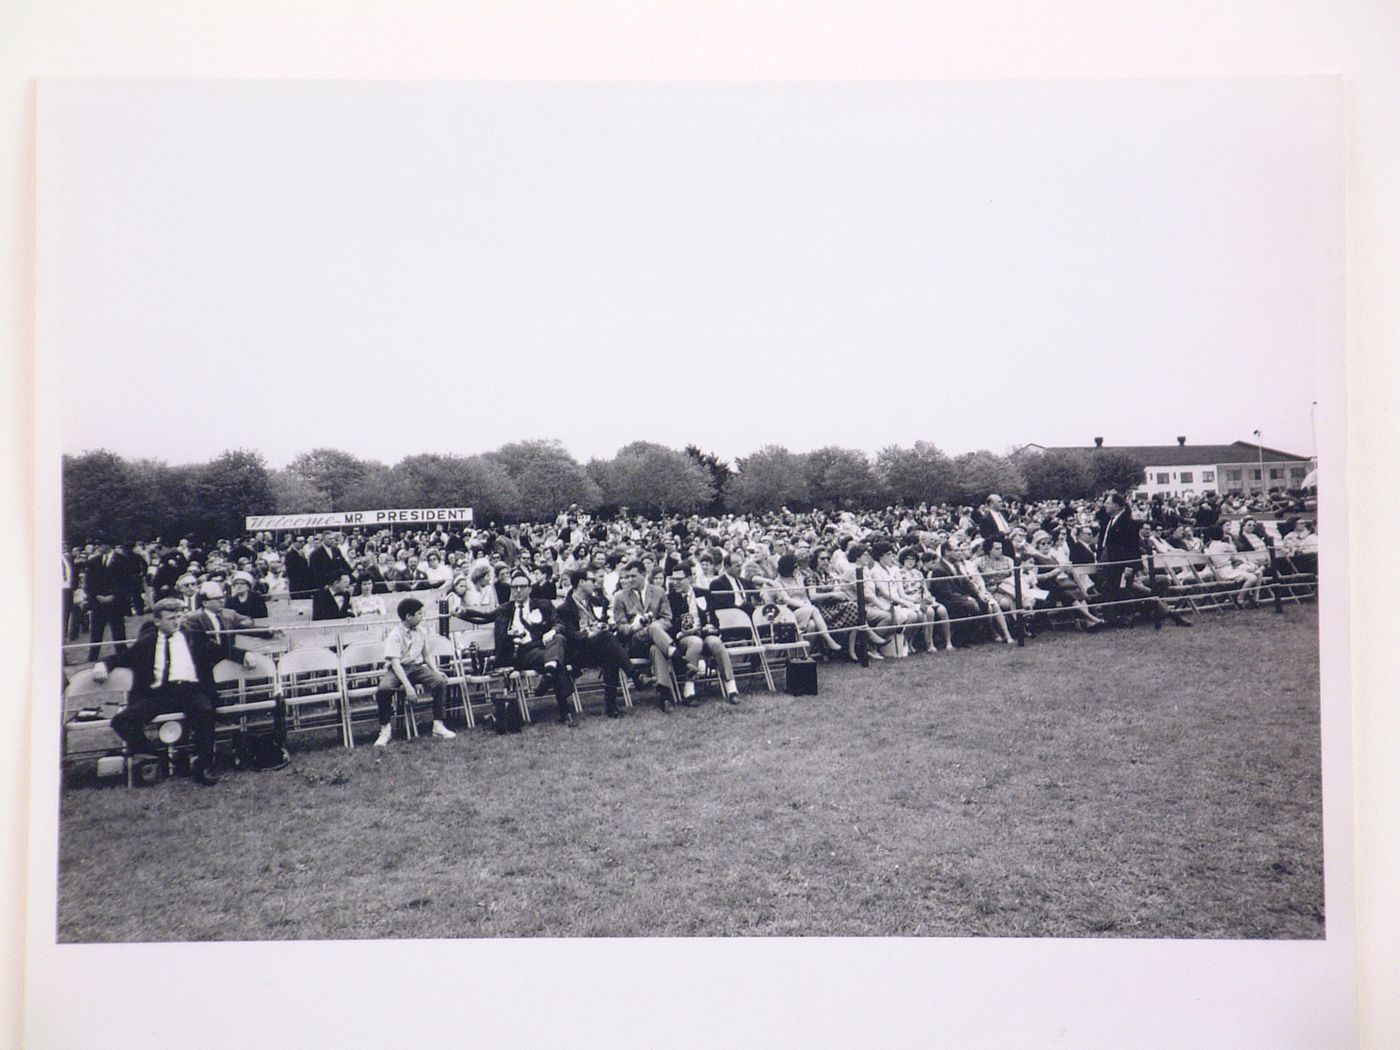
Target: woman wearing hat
x,y
244,599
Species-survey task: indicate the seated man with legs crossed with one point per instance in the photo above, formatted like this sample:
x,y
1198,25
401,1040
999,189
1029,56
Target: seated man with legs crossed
x,y
527,639
642,619
587,640
406,651
697,634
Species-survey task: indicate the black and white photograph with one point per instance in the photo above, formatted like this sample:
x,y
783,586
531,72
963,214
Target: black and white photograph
x,y
727,511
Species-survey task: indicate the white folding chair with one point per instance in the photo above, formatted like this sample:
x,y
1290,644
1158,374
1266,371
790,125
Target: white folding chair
x,y
741,640
312,690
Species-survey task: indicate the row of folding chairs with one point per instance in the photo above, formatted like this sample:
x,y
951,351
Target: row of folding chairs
x,y
323,689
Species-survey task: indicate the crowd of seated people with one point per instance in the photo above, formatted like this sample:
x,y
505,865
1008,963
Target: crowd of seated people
x,y
890,582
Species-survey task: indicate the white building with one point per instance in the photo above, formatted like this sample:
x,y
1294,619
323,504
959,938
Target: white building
x,y
1186,470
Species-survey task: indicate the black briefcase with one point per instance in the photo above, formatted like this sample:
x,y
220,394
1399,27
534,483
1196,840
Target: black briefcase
x,y
802,677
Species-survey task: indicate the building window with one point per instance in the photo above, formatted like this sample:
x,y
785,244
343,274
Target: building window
x,y
1163,479
1296,472
1258,474
1186,477
1275,473
1207,477
1233,475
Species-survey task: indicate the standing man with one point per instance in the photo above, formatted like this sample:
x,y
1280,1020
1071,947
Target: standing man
x,y
131,569
300,580
326,561
101,581
70,626
991,519
1117,552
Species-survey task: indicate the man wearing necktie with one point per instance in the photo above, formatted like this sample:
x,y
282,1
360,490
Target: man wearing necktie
x,y
697,635
172,670
527,639
100,581
587,640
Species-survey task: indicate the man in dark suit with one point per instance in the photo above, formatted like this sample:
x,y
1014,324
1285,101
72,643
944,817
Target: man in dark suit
x,y
729,590
130,569
102,582
172,669
992,523
587,640
696,634
326,561
332,602
642,619
1118,551
300,580
528,639
954,591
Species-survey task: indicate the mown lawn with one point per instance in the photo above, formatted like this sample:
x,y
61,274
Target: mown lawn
x,y
1128,784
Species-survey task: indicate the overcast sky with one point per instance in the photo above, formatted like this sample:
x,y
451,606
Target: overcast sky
x,y
401,268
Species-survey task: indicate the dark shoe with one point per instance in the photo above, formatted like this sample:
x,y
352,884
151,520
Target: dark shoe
x,y
1179,620
202,774
615,712
568,719
667,700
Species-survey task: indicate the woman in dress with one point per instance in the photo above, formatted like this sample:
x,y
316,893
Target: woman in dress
x,y
837,609
1230,567
367,603
1054,575
480,592
914,587
789,590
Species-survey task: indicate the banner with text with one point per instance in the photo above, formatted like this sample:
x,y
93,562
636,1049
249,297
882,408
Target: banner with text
x,y
360,519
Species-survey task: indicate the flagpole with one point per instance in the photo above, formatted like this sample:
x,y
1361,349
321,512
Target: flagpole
x,y
1259,444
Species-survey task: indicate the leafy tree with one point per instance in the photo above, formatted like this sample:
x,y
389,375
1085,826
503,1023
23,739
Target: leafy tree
x,y
101,496
771,478
920,474
293,494
434,480
1115,468
372,488
652,479
230,487
334,472
841,477
981,473
172,500
719,472
1057,473
547,477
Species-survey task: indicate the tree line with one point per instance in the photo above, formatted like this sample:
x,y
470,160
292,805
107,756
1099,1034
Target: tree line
x,y
108,496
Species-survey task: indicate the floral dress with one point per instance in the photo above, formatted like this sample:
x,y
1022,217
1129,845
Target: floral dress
x,y
839,611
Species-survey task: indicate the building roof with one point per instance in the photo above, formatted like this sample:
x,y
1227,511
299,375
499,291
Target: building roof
x,y
1191,455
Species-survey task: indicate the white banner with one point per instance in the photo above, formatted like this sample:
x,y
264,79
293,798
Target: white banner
x,y
359,519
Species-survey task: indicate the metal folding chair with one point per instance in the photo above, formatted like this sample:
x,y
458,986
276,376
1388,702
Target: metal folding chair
x,y
741,640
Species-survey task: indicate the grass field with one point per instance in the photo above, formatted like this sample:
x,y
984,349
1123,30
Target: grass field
x,y
1128,784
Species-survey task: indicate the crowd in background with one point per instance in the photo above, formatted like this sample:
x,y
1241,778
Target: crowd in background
x,y
917,574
